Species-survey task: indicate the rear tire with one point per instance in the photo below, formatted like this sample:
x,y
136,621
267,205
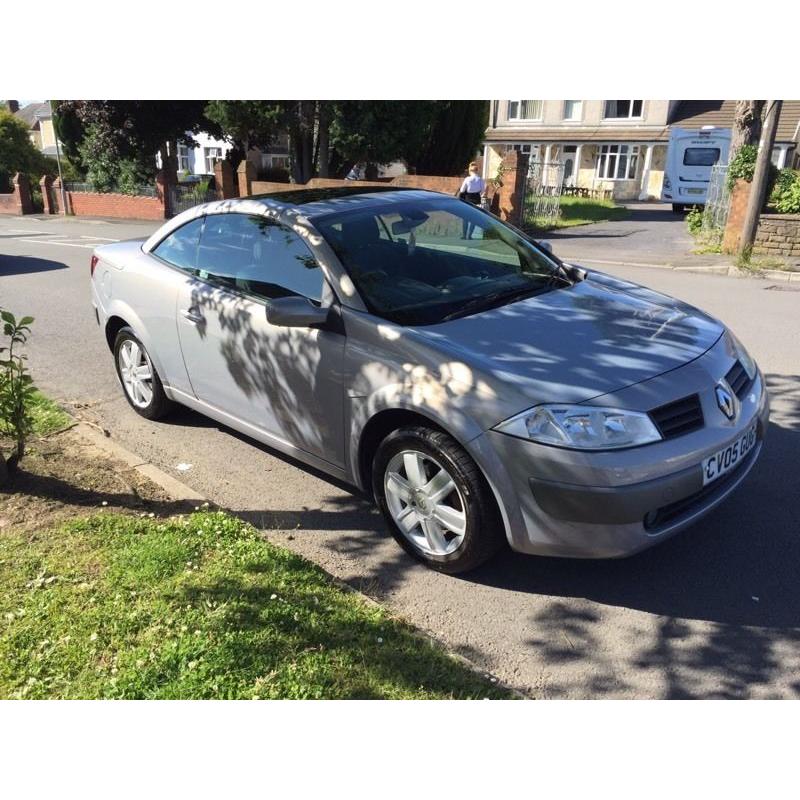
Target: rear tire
x,y
678,208
435,500
140,382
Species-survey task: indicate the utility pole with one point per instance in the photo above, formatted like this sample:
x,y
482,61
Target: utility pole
x,y
758,188
58,159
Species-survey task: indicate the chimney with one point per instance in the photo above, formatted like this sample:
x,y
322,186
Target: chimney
x,y
12,105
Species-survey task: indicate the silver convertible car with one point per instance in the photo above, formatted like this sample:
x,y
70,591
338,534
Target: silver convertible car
x,y
409,343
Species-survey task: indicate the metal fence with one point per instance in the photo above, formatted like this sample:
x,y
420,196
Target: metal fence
x,y
183,196
718,201
134,191
542,201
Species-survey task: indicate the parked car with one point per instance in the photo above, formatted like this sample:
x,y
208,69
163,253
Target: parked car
x,y
480,390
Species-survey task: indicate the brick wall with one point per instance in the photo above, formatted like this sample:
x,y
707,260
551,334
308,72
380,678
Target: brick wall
x,y
19,200
94,204
736,214
778,235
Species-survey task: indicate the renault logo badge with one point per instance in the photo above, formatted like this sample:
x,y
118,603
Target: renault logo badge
x,y
725,400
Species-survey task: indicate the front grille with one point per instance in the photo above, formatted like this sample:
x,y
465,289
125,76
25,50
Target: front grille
x,y
738,380
681,508
679,417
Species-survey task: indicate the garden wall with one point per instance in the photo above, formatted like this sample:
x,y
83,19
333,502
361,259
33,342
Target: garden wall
x,y
125,206
778,235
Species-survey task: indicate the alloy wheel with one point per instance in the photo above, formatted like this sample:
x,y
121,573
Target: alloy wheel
x,y
136,372
425,502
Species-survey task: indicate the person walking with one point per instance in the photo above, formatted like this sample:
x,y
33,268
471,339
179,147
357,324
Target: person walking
x,y
471,190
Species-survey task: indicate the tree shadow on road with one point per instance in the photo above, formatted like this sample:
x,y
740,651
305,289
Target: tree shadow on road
x,y
26,265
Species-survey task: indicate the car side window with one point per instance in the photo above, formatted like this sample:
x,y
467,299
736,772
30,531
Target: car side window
x,y
180,247
258,256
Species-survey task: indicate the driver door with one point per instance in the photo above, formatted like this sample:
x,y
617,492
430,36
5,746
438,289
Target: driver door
x,y
286,382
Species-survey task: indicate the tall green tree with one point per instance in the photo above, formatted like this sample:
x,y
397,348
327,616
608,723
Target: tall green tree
x,y
454,136
134,131
18,153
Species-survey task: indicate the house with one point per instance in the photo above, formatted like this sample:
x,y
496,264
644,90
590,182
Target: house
x,y
617,147
39,122
200,160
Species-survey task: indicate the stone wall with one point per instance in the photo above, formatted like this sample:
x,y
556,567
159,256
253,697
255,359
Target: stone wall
x,y
778,235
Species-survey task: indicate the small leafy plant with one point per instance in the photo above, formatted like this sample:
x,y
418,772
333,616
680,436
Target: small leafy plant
x,y
17,392
694,221
785,196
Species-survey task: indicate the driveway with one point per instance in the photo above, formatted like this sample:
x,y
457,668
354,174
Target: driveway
x,y
652,234
714,612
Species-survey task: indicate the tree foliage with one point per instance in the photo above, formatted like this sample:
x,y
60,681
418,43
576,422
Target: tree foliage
x,y
119,138
18,153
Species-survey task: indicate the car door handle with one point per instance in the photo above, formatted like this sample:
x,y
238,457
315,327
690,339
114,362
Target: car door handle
x,y
192,314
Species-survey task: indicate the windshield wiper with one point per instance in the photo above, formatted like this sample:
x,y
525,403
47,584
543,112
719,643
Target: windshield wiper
x,y
495,299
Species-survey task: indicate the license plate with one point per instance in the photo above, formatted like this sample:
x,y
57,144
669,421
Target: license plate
x,y
726,459
695,191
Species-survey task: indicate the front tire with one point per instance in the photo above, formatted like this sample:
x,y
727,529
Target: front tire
x,y
435,500
140,381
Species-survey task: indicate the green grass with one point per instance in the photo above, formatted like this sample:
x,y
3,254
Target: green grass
x,y
47,416
200,606
582,211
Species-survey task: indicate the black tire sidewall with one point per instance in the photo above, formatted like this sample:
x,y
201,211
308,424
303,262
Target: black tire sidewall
x,y
482,537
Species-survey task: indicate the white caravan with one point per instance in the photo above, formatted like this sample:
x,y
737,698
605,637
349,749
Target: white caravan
x,y
690,156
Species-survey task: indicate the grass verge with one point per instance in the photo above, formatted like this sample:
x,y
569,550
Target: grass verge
x,y
47,416
581,211
198,606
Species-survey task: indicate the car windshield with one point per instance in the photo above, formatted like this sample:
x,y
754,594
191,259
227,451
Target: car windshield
x,y
424,262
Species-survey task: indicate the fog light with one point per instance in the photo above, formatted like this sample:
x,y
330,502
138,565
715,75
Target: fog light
x,y
650,519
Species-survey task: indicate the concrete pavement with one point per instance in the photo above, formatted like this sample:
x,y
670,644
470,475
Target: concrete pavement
x,y
714,612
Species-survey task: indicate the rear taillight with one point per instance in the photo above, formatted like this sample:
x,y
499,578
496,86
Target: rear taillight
x,y
93,264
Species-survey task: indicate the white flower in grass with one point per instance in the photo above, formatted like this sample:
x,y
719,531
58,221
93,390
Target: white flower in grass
x,y
93,637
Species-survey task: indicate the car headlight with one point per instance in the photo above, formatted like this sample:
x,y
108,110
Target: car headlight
x,y
582,427
745,359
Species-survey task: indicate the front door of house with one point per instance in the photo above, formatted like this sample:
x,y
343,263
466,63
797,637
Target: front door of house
x,y
568,159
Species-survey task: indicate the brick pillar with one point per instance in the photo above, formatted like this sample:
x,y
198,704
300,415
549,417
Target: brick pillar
x,y
163,193
46,185
246,175
223,177
22,190
511,192
61,199
736,214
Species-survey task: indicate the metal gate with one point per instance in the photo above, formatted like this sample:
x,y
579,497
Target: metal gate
x,y
718,200
542,201
185,196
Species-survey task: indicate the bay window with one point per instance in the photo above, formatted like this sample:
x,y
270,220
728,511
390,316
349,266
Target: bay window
x,y
617,162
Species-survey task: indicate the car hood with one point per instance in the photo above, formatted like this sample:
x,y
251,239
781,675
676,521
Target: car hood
x,y
576,343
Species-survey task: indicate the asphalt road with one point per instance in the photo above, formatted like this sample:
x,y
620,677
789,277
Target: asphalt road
x,y
714,612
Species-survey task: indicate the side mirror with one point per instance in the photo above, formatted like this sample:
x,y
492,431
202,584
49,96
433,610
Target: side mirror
x,y
295,312
545,246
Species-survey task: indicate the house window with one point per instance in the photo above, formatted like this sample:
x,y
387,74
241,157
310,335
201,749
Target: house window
x,y
617,162
525,109
183,158
521,148
212,155
623,109
573,110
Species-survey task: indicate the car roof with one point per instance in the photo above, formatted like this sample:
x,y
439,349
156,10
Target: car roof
x,y
316,202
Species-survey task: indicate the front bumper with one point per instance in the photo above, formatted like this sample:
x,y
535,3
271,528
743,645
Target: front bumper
x,y
611,504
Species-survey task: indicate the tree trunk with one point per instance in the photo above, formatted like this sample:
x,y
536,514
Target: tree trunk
x,y
3,470
746,124
323,139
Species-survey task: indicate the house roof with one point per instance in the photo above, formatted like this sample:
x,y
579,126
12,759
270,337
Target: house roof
x,y
597,133
697,113
31,113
